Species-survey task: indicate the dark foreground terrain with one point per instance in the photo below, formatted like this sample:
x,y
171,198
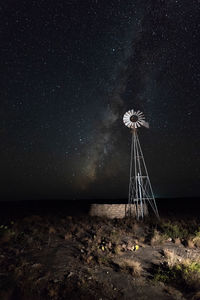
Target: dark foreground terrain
x,y
62,253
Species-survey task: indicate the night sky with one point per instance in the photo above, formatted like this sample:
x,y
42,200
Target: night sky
x,y
71,69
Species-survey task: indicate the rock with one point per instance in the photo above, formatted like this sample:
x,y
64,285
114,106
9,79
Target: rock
x,y
70,274
110,245
124,246
37,266
130,247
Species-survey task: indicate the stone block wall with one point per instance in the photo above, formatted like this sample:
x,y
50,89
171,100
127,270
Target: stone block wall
x,y
112,211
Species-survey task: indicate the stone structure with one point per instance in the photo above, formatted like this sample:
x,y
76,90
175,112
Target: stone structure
x,y
112,211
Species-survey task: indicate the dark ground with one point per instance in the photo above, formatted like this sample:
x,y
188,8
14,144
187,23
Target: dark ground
x,y
54,250
166,207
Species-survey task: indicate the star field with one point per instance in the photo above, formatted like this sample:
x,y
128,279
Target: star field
x,y
71,69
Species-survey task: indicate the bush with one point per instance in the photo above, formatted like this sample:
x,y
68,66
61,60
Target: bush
x,y
174,231
186,274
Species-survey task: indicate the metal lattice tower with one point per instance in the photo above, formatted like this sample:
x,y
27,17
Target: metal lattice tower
x,y
140,189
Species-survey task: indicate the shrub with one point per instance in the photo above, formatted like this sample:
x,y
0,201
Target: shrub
x,y
174,231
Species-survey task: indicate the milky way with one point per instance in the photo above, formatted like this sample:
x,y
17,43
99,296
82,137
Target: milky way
x,y
69,71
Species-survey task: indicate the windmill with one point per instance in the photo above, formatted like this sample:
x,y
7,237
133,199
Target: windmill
x,y
140,189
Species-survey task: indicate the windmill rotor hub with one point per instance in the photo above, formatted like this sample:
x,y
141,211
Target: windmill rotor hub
x,y
134,119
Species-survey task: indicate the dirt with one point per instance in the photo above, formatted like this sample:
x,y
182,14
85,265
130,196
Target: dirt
x,y
58,257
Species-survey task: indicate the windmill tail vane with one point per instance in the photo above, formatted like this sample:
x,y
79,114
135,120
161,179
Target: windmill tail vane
x,y
140,189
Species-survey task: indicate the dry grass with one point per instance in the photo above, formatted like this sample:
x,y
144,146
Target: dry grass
x,y
172,258
196,296
190,244
177,242
118,250
157,238
196,240
133,266
115,236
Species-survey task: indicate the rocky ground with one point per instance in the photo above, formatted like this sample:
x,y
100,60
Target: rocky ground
x,y
81,257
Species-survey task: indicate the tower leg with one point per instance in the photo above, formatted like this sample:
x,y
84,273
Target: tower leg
x,y
140,189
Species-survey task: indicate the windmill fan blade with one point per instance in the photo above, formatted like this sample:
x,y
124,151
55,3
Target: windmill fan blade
x,y
141,122
145,124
